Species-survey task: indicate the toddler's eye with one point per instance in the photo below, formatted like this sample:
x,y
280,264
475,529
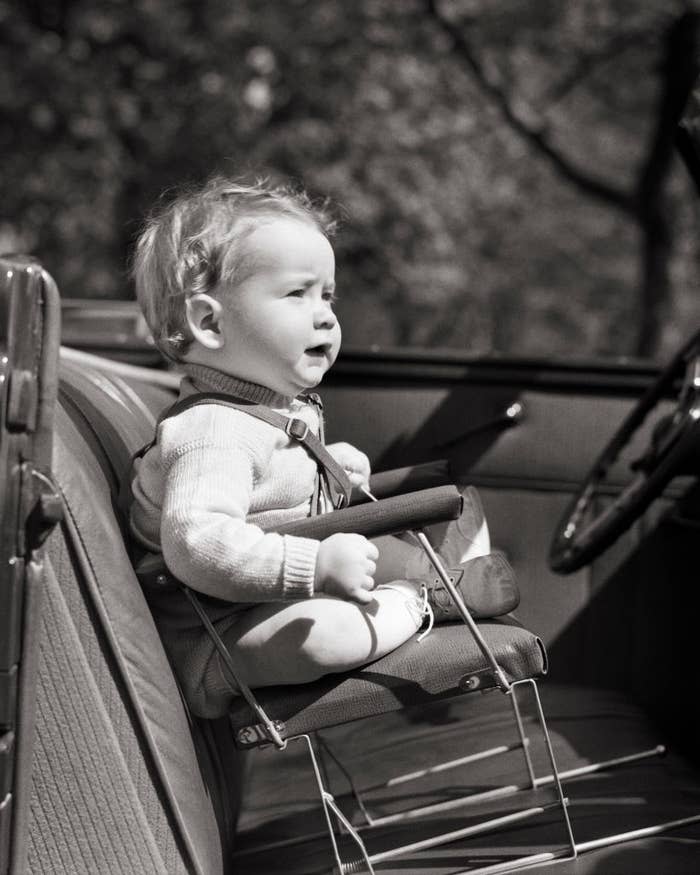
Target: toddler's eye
x,y
296,293
331,297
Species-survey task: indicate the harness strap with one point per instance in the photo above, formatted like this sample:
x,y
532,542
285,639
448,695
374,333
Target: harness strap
x,y
295,428
327,466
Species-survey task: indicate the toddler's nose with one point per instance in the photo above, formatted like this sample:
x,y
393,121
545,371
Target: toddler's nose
x,y
324,317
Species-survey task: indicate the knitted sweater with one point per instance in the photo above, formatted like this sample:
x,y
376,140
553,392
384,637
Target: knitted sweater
x,y
213,479
201,493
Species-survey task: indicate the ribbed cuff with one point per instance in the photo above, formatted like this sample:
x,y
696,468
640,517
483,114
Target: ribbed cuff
x,y
299,567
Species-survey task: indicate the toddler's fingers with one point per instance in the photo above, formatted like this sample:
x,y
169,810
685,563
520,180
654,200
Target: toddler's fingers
x,y
371,567
368,582
359,481
372,551
363,596
356,478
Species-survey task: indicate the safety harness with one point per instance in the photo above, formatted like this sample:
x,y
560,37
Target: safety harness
x,y
332,489
332,485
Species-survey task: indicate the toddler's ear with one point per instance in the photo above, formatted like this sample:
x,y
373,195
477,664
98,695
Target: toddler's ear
x,y
203,318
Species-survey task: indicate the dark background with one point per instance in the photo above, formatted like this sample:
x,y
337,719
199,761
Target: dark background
x,y
504,169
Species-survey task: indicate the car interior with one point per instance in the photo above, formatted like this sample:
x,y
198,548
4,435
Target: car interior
x,y
106,770
564,734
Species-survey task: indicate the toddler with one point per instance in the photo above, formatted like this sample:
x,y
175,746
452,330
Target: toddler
x,y
237,284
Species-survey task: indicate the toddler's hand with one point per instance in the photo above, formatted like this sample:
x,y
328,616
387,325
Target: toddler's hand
x,y
345,567
354,462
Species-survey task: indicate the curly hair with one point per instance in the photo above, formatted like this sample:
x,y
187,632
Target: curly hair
x,y
194,243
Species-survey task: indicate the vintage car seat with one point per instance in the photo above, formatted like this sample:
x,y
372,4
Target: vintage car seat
x,y
156,787
117,415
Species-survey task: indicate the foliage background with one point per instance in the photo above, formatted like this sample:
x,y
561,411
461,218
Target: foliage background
x,y
490,158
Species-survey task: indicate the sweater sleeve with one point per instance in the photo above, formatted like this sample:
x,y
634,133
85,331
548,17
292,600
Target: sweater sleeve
x,y
205,538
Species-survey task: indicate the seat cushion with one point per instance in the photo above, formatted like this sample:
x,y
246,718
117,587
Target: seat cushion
x,y
417,672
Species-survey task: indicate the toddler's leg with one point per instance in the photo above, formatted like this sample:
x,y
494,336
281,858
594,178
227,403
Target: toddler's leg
x,y
484,579
457,542
300,641
465,538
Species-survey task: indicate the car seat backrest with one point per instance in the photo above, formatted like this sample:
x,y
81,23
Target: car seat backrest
x,y
118,782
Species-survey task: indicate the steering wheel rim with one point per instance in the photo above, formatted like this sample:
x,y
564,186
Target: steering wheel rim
x,y
574,543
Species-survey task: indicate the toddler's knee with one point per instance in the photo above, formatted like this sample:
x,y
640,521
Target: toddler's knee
x,y
335,649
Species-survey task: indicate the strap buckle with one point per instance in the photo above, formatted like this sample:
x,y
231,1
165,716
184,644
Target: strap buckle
x,y
297,428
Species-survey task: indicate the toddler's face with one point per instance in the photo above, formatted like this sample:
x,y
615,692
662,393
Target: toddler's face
x,y
278,325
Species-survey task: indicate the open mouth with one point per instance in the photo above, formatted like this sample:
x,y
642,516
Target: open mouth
x,y
320,350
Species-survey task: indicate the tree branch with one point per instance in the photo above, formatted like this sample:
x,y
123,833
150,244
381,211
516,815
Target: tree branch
x,y
584,65
535,135
680,69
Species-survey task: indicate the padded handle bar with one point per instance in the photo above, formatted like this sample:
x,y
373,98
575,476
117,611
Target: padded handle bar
x,y
400,513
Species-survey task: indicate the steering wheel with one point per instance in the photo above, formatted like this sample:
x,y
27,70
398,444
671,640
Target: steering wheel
x,y
580,535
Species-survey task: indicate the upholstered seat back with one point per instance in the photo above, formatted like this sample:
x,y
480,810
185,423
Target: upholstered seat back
x,y
118,784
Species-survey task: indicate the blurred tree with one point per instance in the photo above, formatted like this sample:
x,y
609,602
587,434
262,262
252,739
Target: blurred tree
x,y
493,160
645,199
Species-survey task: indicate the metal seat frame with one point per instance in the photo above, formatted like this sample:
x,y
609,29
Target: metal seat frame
x,y
268,731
